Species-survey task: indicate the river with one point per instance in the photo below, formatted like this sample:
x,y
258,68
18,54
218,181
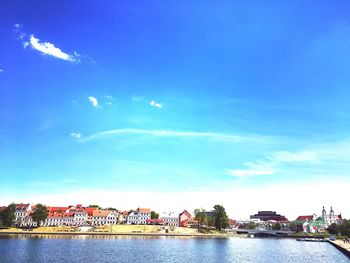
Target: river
x,y
69,248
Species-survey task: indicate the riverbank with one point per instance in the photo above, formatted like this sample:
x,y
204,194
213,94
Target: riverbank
x,y
122,230
343,247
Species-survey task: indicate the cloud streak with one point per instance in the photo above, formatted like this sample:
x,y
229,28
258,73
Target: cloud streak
x,y
292,157
75,135
46,48
248,172
171,133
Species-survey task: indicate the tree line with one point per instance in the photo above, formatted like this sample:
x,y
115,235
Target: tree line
x,y
216,218
7,216
340,229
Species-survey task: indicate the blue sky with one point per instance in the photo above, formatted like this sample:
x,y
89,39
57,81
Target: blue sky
x,y
190,98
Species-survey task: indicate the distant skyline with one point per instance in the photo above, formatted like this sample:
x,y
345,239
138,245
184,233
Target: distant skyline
x,y
176,105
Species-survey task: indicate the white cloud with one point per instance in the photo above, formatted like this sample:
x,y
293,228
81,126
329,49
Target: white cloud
x,y
45,48
290,157
50,49
172,133
1,70
75,135
93,101
248,172
155,104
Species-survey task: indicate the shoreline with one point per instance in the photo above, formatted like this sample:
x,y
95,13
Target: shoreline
x,y
344,248
32,233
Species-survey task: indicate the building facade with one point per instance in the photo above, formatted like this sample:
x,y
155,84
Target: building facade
x,y
139,216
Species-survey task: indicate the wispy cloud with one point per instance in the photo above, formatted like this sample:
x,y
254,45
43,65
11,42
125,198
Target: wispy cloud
x,y
156,104
291,157
109,100
1,70
75,135
248,172
252,169
137,98
93,101
45,48
172,133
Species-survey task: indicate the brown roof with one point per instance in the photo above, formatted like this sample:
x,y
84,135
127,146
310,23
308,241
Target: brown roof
x,y
144,210
103,213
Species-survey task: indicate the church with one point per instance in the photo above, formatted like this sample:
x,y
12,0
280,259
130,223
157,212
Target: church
x,y
331,217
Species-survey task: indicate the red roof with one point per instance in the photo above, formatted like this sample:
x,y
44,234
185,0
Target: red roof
x,y
90,210
57,208
186,213
22,206
304,218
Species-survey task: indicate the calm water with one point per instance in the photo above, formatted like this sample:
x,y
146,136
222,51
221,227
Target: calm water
x,y
161,249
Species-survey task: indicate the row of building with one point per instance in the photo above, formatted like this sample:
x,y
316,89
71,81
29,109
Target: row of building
x,y
93,216
306,223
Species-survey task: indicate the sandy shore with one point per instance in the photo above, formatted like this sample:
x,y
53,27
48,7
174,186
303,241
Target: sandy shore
x,y
121,230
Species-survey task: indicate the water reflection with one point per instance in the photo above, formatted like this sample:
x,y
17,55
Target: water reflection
x,y
112,248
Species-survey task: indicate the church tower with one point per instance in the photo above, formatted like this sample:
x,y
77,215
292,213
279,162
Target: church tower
x,y
324,214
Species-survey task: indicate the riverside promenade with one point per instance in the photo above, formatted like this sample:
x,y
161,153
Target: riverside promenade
x,y
344,247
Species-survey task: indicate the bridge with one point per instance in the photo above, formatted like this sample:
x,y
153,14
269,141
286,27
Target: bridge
x,y
266,233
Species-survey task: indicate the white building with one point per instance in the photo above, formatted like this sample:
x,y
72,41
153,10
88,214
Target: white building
x,y
170,218
22,214
104,217
331,217
80,218
139,216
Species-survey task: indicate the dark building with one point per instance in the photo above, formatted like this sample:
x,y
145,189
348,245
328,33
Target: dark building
x,y
269,215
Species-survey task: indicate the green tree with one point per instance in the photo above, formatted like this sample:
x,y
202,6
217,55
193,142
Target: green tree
x,y
292,226
276,226
96,206
251,225
211,221
7,216
221,218
333,229
344,227
154,215
200,216
39,214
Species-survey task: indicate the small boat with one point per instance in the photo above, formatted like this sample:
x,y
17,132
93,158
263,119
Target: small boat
x,y
312,239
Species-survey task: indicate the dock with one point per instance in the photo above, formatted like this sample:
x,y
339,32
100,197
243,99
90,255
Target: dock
x,y
343,247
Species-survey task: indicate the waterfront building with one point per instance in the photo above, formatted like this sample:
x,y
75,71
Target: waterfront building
x,y
22,212
139,216
170,218
104,217
269,216
331,217
183,218
314,223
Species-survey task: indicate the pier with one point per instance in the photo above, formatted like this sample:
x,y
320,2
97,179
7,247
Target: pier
x,y
343,247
